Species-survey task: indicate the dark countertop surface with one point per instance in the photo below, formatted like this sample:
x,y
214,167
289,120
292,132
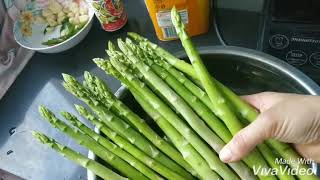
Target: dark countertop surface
x,y
40,84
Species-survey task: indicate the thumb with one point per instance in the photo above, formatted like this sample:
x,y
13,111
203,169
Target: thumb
x,y
246,139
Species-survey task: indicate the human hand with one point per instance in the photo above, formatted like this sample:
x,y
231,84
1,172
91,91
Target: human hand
x,y
290,118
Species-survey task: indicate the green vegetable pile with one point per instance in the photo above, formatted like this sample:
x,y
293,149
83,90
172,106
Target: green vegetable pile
x,y
67,30
197,114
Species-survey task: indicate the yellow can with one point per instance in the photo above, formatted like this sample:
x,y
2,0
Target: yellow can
x,y
194,13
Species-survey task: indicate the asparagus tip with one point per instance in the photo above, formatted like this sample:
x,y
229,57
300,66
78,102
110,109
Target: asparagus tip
x,y
122,45
66,114
45,112
42,138
67,77
128,40
80,109
176,20
132,34
35,133
98,61
88,76
39,136
71,118
111,46
136,36
86,73
109,52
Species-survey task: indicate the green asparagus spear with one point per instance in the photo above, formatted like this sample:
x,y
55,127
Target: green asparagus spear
x,y
217,99
207,153
194,159
78,158
202,110
99,88
205,113
163,53
190,154
120,126
122,58
221,130
249,113
126,145
204,172
91,144
113,148
244,109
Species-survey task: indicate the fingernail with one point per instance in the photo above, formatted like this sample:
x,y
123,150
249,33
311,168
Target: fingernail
x,y
225,155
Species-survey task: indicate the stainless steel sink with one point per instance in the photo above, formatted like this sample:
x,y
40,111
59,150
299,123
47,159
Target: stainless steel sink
x,y
243,70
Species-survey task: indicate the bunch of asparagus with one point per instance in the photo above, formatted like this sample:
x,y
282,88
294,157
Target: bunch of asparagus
x,y
198,114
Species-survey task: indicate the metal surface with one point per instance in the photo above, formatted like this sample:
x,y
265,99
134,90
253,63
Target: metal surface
x,y
243,70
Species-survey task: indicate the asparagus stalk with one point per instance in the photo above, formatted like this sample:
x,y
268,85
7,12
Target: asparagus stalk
x,y
217,99
99,88
190,154
249,113
163,53
244,109
202,148
113,148
195,122
251,159
127,146
221,130
197,91
271,158
123,59
120,126
91,144
203,172
202,110
205,113
78,158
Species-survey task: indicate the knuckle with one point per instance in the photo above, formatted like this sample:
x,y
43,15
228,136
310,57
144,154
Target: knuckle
x,y
268,120
240,142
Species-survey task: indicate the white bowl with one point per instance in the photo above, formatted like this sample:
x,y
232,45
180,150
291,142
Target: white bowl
x,y
34,42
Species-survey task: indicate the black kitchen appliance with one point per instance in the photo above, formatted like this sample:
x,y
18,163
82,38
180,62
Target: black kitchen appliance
x,y
291,32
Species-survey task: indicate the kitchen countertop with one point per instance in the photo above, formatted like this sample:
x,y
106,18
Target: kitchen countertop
x,y
40,84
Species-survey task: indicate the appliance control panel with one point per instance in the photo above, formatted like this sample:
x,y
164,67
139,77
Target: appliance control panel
x,y
292,33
